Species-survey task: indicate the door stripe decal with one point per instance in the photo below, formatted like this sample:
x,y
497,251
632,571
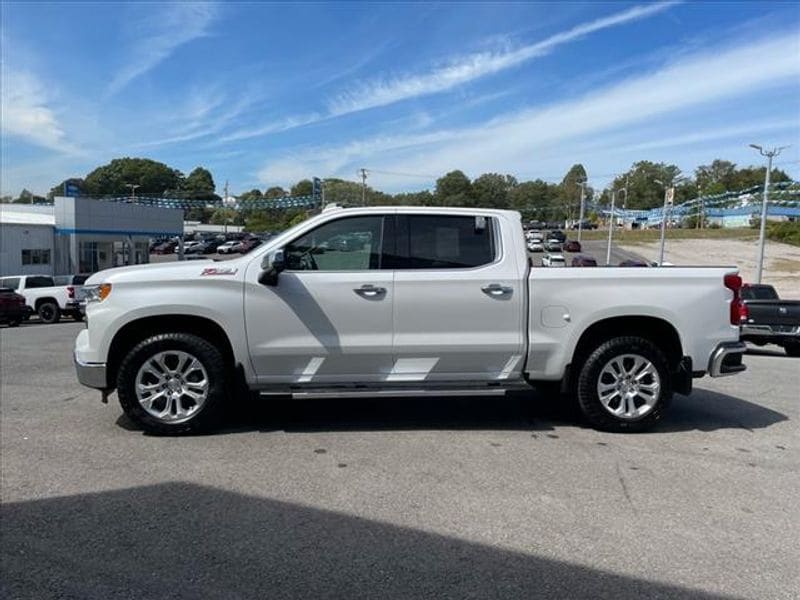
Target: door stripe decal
x,y
510,366
411,369
311,369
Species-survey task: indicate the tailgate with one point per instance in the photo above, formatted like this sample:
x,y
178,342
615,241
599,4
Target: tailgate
x,y
774,312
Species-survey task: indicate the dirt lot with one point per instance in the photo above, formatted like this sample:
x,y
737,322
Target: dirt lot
x,y
781,264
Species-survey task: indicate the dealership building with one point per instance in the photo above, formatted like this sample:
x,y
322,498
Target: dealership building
x,y
80,235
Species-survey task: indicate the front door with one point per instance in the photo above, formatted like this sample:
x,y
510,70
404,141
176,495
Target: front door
x,y
329,318
459,300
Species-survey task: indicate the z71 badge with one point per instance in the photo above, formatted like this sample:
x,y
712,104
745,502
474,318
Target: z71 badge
x,y
219,271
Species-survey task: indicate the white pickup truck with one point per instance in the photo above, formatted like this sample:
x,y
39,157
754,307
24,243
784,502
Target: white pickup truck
x,y
404,301
47,298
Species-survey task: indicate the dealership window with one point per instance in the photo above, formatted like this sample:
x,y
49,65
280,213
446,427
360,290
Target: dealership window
x,y
36,257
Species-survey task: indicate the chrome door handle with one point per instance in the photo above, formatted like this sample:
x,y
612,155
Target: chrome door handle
x,y
496,290
370,291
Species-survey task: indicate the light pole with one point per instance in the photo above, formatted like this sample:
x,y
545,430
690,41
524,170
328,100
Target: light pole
x,y
669,196
582,183
611,227
764,198
132,187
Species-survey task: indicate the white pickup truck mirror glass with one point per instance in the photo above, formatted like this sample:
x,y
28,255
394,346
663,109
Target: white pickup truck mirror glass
x,y
272,265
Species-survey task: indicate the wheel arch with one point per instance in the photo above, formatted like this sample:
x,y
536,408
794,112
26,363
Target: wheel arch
x,y
40,301
658,331
140,329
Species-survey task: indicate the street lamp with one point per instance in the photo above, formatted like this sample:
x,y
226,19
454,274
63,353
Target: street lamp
x,y
764,198
669,196
132,187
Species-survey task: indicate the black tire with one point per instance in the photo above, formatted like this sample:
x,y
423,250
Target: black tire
x,y
208,416
14,323
792,350
589,400
49,312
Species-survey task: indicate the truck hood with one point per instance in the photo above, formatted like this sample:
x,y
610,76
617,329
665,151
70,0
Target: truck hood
x,y
169,271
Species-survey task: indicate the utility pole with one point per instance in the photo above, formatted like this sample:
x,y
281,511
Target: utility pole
x,y
582,183
611,226
770,154
363,186
224,207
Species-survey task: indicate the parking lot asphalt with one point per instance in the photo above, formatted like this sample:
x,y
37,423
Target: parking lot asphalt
x,y
416,498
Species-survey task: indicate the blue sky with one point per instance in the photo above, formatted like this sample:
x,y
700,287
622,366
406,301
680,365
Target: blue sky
x,y
266,94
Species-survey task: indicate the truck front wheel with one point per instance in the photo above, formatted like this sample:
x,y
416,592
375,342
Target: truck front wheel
x,y
624,385
173,383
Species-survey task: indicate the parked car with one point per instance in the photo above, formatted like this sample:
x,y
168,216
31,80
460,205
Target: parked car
x,y
205,247
634,263
535,245
187,246
74,284
769,319
228,247
47,299
459,310
557,234
13,309
553,260
583,260
247,245
553,245
587,225
572,246
166,247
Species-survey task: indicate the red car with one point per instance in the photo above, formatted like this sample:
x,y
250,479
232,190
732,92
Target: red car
x,y
13,309
572,246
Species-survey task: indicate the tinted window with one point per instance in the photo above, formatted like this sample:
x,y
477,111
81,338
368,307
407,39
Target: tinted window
x,y
10,282
349,244
443,242
759,292
39,282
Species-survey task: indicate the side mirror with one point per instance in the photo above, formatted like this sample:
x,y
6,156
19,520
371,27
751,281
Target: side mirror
x,y
272,265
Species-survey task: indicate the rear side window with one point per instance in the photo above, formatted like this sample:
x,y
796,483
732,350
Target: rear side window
x,y
449,242
39,282
10,282
759,292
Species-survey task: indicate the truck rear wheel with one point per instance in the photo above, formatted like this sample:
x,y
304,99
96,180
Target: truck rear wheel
x,y
624,385
48,312
173,383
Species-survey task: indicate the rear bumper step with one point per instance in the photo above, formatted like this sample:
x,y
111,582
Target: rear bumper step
x,y
727,359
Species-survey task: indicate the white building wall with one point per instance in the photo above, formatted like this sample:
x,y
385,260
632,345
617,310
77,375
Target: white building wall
x,y
14,238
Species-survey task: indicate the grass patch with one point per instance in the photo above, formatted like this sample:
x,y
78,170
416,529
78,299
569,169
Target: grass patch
x,y
787,232
787,265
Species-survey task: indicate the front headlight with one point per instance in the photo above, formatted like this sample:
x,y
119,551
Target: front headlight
x,y
97,293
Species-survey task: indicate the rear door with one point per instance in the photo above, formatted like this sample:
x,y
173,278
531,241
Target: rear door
x,y
459,299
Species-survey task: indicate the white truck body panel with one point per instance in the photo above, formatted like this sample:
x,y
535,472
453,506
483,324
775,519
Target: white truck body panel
x,y
430,326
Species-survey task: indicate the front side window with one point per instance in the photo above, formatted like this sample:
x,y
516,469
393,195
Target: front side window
x,y
449,242
349,244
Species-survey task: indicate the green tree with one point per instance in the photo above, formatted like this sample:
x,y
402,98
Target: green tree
x,y
304,187
492,190
716,178
152,177
199,185
275,192
250,196
570,191
752,176
643,190
454,189
220,216
535,199
423,198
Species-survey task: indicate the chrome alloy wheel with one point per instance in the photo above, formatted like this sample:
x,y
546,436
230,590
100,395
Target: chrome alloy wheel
x,y
629,386
172,386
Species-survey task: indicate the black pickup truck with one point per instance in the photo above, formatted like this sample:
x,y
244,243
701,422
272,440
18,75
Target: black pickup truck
x,y
771,320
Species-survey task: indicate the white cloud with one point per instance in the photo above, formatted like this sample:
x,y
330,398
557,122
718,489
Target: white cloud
x,y
26,113
160,35
272,127
464,69
515,142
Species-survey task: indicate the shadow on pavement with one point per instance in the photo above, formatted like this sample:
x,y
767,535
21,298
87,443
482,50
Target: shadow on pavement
x,y
704,411
774,351
180,540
